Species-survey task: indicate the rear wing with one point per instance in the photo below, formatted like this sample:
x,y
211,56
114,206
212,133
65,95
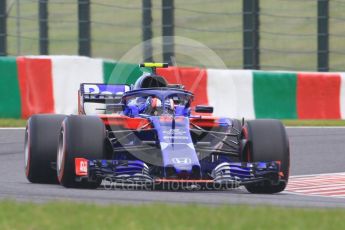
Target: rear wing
x,y
100,93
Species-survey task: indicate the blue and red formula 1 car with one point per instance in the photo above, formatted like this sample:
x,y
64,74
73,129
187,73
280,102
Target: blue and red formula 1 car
x,y
147,134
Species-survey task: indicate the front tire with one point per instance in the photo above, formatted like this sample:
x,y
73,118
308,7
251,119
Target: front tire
x,y
80,137
267,141
41,143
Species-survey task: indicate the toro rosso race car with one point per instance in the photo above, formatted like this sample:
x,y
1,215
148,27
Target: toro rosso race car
x,y
148,134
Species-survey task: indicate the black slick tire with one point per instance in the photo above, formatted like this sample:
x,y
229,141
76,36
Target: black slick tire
x,y
41,144
267,141
80,137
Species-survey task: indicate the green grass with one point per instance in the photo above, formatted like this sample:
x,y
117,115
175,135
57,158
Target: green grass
x,y
9,122
22,123
14,215
314,122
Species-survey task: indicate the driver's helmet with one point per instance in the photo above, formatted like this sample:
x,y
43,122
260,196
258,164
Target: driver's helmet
x,y
154,106
156,103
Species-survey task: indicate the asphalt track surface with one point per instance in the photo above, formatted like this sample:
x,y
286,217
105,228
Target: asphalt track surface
x,y
313,151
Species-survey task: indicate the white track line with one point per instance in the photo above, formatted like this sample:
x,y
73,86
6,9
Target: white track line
x,y
315,127
318,174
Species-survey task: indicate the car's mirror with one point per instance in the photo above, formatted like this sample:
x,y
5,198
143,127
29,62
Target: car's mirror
x,y
203,109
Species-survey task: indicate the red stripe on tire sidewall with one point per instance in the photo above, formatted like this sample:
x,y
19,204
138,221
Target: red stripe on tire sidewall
x,y
27,166
62,166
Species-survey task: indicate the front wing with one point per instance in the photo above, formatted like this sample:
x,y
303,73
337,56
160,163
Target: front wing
x,y
135,172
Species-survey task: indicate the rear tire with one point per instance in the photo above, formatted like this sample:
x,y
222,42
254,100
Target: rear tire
x,y
267,141
80,137
41,143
